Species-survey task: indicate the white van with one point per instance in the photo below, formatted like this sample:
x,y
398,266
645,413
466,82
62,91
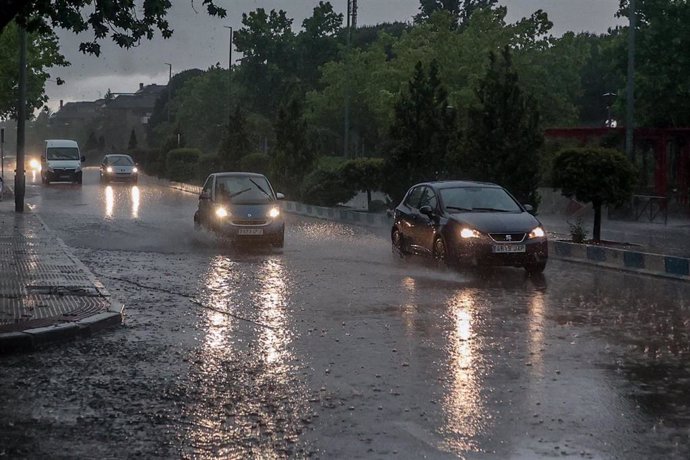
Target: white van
x,y
61,161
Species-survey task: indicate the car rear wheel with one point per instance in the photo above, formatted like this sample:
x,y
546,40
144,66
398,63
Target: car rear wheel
x,y
440,252
535,268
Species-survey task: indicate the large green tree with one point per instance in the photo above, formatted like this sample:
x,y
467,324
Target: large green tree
x,y
318,42
421,133
43,52
594,175
235,144
503,136
460,10
125,22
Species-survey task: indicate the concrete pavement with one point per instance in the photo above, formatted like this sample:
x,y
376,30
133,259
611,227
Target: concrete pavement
x,y
46,294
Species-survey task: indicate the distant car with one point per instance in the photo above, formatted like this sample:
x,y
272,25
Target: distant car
x,y
118,167
242,207
469,223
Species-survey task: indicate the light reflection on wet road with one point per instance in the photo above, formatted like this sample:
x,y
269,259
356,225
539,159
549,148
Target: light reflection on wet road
x,y
334,348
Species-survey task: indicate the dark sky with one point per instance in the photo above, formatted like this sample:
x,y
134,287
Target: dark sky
x,y
201,41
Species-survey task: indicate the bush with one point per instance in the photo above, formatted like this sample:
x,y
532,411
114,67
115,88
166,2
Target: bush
x,y
256,162
326,188
143,157
182,164
208,164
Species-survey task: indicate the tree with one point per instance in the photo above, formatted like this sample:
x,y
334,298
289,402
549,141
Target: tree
x,y
363,174
132,144
127,23
594,175
43,52
317,44
460,10
503,136
293,157
235,144
421,133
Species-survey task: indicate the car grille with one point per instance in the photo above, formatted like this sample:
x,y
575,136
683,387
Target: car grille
x,y
507,237
248,222
63,171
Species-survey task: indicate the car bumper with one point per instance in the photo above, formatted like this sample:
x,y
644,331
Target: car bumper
x,y
63,176
122,177
270,232
482,253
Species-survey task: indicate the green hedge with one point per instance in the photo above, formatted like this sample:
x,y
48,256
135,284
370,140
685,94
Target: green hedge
x,y
182,164
323,187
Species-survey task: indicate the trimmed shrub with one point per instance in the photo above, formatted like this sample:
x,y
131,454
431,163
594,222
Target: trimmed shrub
x,y
256,162
182,164
326,188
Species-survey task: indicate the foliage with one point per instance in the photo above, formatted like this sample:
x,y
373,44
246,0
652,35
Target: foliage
x,y
324,187
132,144
421,133
459,10
594,175
503,135
143,156
125,22
256,162
578,234
208,163
181,165
293,156
235,143
43,53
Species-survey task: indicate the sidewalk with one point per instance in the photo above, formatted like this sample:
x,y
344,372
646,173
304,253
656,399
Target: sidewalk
x,y
46,294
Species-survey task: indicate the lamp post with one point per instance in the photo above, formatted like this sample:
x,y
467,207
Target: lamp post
x,y
229,71
630,88
169,78
19,178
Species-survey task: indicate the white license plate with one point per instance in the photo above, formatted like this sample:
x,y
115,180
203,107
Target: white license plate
x,y
250,231
508,248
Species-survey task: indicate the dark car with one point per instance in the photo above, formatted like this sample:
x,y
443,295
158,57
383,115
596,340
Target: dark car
x,y
242,207
469,223
118,167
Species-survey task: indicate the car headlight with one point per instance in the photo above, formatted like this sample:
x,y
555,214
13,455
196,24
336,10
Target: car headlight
x,y
469,233
537,233
109,169
135,170
222,212
35,164
273,213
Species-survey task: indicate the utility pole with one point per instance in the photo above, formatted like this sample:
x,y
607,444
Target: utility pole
x,y
346,128
630,89
19,177
2,155
169,78
229,73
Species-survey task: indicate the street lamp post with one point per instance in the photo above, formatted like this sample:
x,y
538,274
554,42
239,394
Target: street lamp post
x,y
169,78
19,177
229,71
630,88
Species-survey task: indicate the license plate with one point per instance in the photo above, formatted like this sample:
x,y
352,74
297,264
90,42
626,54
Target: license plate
x,y
508,248
250,231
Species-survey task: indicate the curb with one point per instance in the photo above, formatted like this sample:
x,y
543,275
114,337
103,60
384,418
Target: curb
x,y
629,260
34,338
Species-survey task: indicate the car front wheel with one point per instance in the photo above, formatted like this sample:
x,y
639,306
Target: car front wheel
x,y
440,252
398,242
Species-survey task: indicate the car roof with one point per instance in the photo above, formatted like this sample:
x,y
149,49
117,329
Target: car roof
x,y
458,183
61,143
118,155
237,174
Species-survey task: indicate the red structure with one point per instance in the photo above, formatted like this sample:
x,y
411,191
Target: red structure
x,y
663,156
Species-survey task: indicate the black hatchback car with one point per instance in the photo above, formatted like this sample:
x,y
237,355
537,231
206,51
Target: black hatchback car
x,y
469,223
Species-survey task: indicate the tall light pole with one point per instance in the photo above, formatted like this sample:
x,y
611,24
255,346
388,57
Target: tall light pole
x,y
169,79
19,177
630,88
229,71
346,127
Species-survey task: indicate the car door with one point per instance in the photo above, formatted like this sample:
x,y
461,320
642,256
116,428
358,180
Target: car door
x,y
408,217
425,230
206,201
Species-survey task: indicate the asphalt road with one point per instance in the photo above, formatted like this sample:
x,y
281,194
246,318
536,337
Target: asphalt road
x,y
335,348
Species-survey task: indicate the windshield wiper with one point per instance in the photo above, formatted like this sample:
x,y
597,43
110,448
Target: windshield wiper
x,y
491,210
457,208
233,195
259,187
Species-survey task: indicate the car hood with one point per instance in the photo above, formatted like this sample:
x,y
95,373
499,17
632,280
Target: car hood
x,y
497,222
123,169
66,164
250,211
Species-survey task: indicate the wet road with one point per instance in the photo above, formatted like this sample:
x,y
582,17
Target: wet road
x,y
333,348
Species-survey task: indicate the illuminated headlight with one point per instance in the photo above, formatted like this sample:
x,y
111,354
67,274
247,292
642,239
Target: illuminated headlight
x,y
135,170
34,164
109,169
469,233
222,212
537,233
273,213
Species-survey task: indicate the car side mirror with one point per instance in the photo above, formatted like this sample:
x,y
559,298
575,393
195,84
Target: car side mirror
x,y
427,211
280,196
528,207
83,158
205,196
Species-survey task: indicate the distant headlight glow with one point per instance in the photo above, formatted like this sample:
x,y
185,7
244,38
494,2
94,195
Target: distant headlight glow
x,y
35,164
135,170
109,169
273,213
469,233
222,212
537,233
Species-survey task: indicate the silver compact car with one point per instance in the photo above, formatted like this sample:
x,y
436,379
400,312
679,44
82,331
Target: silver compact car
x,y
241,207
118,167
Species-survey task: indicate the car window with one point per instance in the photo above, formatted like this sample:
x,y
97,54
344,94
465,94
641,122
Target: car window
x,y
208,185
478,199
413,197
63,153
243,189
428,198
121,161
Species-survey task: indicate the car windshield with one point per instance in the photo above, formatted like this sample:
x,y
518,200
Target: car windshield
x,y
478,199
120,161
243,189
63,153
